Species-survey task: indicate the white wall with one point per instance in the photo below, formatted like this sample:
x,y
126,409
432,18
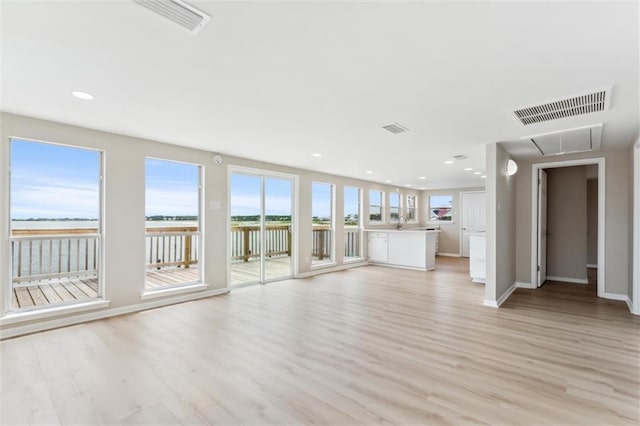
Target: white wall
x,y
618,233
501,227
124,219
592,221
449,238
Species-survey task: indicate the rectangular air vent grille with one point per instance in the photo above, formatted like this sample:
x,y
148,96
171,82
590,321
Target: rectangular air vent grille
x,y
178,12
577,105
395,128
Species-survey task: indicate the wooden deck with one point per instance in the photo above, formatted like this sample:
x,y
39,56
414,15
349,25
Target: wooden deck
x,y
249,272
173,276
50,292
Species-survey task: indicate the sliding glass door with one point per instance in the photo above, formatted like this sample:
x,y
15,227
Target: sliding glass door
x,y
261,212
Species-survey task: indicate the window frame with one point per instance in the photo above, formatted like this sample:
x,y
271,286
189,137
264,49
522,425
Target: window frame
x,y
430,209
410,208
393,195
150,292
359,225
11,315
382,206
332,210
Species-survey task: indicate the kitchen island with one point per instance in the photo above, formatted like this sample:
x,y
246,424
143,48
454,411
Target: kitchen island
x,y
403,248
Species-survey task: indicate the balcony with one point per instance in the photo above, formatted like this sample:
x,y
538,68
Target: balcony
x,y
55,266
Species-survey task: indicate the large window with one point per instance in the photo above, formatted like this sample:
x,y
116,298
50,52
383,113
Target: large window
x,y
394,207
172,206
376,206
411,213
322,212
352,239
56,228
440,208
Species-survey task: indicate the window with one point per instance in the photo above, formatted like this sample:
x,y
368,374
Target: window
x,y
411,215
440,208
172,206
376,206
394,207
56,228
352,241
322,228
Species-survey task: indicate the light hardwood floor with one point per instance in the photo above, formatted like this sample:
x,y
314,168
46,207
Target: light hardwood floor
x,y
364,346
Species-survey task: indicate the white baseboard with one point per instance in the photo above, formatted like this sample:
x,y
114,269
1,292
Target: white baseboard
x,y
449,254
592,265
92,316
524,285
615,296
478,280
320,270
630,306
503,298
568,279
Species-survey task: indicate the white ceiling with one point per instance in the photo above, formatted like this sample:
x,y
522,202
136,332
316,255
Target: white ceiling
x,y
280,81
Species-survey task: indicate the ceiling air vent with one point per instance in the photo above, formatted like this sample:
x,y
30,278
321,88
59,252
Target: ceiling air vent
x,y
395,128
178,12
568,107
460,157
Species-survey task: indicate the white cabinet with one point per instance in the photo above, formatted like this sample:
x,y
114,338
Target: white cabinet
x,y
477,257
378,247
407,249
403,249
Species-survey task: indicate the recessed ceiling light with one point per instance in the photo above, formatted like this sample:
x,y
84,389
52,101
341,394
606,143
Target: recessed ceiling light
x,y
423,187
316,154
477,173
388,181
468,169
82,95
483,177
369,172
408,185
448,162
422,177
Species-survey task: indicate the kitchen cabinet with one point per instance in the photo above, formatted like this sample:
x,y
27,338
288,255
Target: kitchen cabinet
x,y
411,249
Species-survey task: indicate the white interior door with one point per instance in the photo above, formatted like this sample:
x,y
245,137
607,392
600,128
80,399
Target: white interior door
x,y
474,217
542,227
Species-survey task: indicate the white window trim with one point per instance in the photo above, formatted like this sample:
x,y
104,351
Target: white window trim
x,y
382,205
439,222
332,262
53,311
415,208
391,220
171,291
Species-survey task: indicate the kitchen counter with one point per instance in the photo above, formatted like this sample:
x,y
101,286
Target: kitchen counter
x,y
408,248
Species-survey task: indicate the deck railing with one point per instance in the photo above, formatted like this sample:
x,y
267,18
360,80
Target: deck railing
x,y
245,241
322,242
40,254
172,247
352,245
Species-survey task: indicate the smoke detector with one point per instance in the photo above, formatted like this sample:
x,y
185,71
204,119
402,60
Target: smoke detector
x,y
395,128
178,12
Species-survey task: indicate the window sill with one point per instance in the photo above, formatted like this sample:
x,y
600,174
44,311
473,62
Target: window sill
x,y
18,317
353,260
171,291
323,265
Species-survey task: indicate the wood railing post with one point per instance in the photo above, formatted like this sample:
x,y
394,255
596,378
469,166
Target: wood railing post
x,y
289,241
187,251
321,244
245,251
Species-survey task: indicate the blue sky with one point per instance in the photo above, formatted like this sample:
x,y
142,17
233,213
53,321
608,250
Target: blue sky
x,y
53,181
57,181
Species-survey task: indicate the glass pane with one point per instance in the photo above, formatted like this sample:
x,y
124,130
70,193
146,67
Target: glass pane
x,y
322,232
351,222
440,207
55,224
245,228
172,203
278,202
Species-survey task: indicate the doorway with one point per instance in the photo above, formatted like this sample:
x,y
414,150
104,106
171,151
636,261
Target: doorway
x,y
262,226
540,223
473,217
